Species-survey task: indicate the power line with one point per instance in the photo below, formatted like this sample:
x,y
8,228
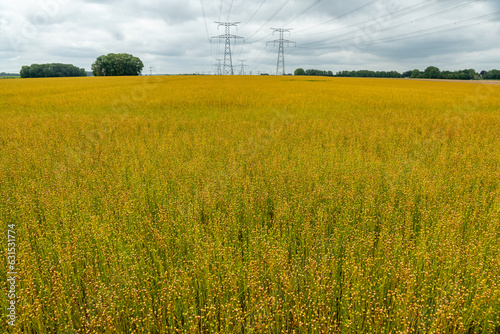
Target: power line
x,y
227,37
305,10
384,18
230,10
268,63
378,20
262,60
333,39
218,66
429,16
345,14
425,31
204,18
242,68
220,9
272,17
340,16
429,30
379,24
262,57
254,13
280,65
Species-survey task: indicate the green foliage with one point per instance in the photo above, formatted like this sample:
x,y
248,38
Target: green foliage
x,y
407,74
416,74
319,73
119,64
432,72
51,70
492,75
459,75
369,74
299,71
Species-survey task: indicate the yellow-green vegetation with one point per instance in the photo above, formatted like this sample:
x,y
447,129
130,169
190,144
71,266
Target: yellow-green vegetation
x,y
251,205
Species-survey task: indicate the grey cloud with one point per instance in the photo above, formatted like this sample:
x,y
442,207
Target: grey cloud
x,y
173,34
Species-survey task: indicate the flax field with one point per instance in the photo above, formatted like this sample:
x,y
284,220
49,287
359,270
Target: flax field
x,y
212,204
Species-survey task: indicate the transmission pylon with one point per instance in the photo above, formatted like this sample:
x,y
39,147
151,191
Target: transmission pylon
x,y
228,60
242,68
280,65
219,66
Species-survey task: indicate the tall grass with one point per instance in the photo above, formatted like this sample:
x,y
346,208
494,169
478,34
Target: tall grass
x,y
252,205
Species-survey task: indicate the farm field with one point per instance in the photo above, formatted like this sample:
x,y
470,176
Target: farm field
x,y
207,204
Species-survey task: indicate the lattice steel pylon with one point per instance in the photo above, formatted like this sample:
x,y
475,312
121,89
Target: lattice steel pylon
x,y
218,66
280,65
228,60
242,68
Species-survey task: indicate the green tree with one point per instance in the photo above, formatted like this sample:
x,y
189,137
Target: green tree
x,y
25,72
406,74
51,70
492,75
117,64
370,74
299,71
318,72
416,74
432,72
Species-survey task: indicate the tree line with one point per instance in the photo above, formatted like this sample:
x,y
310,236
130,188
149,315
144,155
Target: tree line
x,y
51,70
3,74
491,75
430,72
300,71
105,65
433,72
370,74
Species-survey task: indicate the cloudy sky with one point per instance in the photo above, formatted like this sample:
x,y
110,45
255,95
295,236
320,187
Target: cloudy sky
x,y
174,36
